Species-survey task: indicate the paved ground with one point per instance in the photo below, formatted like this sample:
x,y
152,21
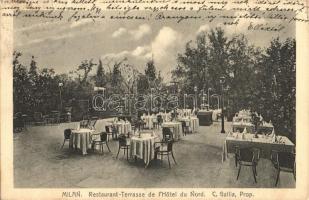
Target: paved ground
x,y
39,162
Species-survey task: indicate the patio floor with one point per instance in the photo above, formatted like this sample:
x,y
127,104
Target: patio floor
x,y
40,163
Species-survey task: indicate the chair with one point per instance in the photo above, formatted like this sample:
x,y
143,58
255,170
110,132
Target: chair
x,y
284,161
160,120
108,132
101,141
167,134
247,157
123,145
185,128
155,122
142,124
91,124
165,148
115,132
67,135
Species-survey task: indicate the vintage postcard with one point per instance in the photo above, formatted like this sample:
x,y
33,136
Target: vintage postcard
x,y
154,99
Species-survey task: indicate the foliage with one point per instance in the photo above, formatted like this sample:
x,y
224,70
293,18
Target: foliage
x,y
150,71
86,66
275,87
100,78
263,81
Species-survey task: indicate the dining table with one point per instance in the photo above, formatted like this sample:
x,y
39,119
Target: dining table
x,y
142,146
124,127
263,142
149,120
165,116
191,121
81,139
176,128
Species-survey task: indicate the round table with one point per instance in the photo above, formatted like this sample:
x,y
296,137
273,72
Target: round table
x,y
81,139
165,116
177,128
192,122
149,119
143,147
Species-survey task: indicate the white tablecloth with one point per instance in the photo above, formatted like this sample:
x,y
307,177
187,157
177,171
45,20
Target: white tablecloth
x,y
165,116
215,114
266,144
149,119
177,129
143,147
123,127
192,122
184,112
80,139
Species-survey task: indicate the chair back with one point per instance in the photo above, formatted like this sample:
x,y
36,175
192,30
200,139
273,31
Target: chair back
x,y
103,136
122,140
245,154
159,119
114,129
167,134
67,133
286,159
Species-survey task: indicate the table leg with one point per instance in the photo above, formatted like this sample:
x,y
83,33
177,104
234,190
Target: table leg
x,y
83,144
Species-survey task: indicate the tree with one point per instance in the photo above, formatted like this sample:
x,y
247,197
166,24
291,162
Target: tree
x,y
86,66
21,86
142,84
129,77
150,71
116,76
242,59
100,76
33,69
219,57
263,81
276,86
